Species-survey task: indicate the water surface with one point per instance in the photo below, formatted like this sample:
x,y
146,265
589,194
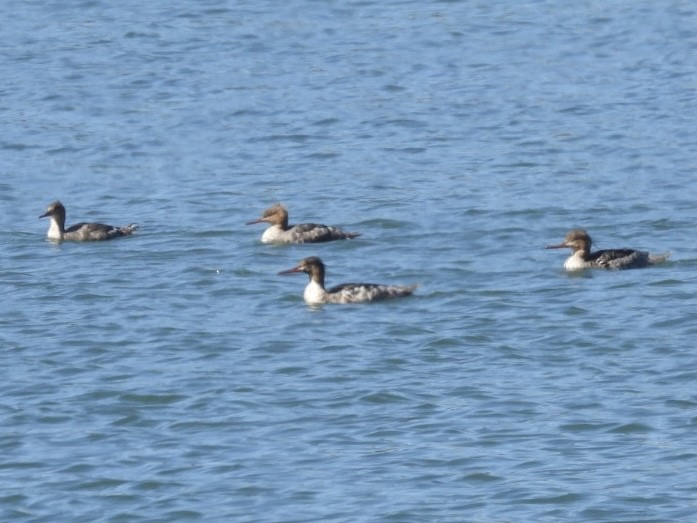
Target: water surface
x,y
174,376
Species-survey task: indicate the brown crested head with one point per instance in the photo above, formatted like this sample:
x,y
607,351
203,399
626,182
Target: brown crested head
x,y
277,214
312,266
575,239
54,209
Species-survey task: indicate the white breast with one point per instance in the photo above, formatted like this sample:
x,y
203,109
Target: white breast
x,y
272,234
314,294
575,263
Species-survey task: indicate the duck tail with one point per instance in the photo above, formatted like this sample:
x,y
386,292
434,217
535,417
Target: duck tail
x,y
657,259
128,229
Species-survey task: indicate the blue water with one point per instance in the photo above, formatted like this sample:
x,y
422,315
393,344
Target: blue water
x,y
174,376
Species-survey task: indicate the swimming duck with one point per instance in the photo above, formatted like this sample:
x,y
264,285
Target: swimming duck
x,y
579,241
81,231
316,294
280,232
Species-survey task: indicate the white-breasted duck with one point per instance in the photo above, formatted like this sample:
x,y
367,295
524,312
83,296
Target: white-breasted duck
x,y
81,231
579,241
316,294
280,232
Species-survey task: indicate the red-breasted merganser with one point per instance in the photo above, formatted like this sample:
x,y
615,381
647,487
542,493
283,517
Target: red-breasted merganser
x,y
579,241
316,294
280,232
81,231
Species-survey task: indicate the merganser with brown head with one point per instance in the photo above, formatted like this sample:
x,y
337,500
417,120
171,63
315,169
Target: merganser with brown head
x,y
579,241
280,232
81,231
316,294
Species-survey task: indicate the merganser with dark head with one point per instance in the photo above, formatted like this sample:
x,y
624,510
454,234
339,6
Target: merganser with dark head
x,y
81,231
316,294
579,241
280,232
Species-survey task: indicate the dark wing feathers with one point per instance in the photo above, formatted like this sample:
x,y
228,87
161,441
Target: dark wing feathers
x,y
97,231
316,232
361,292
620,258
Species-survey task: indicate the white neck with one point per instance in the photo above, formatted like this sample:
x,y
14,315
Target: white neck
x,y
54,230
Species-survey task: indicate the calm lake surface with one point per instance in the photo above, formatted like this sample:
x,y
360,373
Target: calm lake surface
x,y
174,376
